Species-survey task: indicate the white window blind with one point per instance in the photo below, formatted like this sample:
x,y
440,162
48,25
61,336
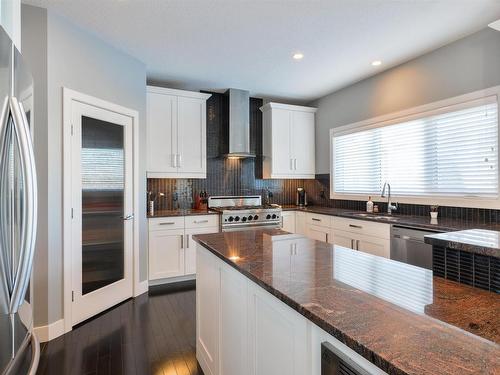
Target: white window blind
x,y
450,152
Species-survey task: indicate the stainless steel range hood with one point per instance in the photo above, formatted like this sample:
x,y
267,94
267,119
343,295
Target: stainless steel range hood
x,y
237,124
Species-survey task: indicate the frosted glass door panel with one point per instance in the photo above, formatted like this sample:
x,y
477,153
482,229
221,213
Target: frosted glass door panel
x,y
103,182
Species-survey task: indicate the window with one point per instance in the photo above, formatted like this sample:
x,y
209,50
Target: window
x,y
449,152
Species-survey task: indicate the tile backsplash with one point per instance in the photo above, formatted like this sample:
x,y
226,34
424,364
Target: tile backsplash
x,y
241,177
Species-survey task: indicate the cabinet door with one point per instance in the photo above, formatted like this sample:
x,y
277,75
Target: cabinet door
x,y
233,315
161,132
374,245
166,253
190,248
288,221
300,223
344,239
282,164
303,143
191,128
277,336
207,311
318,233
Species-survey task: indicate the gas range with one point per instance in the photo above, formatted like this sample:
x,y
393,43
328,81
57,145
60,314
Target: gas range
x,y
245,212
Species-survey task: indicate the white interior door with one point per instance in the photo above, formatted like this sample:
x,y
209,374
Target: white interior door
x,y
102,209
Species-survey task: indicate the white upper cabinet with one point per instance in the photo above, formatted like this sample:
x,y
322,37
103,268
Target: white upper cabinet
x,y
288,141
176,127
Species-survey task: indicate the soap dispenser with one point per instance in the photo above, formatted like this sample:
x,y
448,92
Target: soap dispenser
x,y
369,205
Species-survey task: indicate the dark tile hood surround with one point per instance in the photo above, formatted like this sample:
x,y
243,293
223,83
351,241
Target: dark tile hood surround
x,y
241,176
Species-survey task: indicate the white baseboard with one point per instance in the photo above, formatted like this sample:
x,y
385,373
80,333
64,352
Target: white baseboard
x,y
172,280
50,332
141,288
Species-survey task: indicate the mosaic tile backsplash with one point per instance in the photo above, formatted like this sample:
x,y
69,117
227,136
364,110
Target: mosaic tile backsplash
x,y
241,177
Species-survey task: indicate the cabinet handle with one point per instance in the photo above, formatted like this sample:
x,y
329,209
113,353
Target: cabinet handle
x,y
291,163
356,226
200,221
357,244
314,219
182,241
326,237
166,223
187,241
295,164
352,244
174,160
179,160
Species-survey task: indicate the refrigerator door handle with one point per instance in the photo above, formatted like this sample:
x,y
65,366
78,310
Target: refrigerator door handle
x,y
5,262
29,217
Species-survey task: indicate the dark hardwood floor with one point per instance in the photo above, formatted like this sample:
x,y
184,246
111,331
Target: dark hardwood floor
x,y
152,334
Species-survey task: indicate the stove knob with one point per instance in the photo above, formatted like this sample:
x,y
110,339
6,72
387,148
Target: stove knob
x,y
237,218
244,218
268,216
250,217
274,216
256,217
231,218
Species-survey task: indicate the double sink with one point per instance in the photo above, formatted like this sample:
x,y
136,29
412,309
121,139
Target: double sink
x,y
370,216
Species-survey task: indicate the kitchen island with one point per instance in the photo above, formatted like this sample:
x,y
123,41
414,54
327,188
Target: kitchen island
x,y
266,300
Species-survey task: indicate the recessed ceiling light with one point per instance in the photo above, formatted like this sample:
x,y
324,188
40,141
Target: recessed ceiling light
x,y
377,63
298,55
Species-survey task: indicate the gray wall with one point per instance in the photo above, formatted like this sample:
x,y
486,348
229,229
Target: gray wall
x,y
35,57
467,65
82,62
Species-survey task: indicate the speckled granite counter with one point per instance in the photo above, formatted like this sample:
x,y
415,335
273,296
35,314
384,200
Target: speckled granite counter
x,y
424,222
479,241
398,316
186,212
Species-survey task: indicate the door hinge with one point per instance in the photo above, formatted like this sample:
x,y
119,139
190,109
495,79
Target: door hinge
x,y
72,296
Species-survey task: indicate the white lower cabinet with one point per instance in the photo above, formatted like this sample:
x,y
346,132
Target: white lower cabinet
x,y
241,329
166,254
300,223
288,221
172,252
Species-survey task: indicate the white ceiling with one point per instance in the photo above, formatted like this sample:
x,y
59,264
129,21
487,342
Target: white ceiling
x,y
216,44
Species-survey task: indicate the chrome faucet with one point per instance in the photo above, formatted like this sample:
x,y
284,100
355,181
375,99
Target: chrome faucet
x,y
390,206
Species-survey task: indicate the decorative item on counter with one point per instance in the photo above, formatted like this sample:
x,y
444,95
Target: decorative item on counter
x,y
152,197
434,212
203,200
369,205
375,208
197,201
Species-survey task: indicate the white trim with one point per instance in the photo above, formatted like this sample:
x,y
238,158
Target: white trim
x,y
485,95
175,175
171,280
288,107
141,288
68,97
176,92
51,331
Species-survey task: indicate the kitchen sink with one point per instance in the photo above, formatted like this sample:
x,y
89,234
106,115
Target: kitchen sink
x,y
375,216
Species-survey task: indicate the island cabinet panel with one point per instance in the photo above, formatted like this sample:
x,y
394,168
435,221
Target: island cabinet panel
x,y
207,311
278,336
233,318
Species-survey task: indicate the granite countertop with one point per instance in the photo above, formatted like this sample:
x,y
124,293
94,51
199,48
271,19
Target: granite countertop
x,y
485,242
181,212
423,222
398,316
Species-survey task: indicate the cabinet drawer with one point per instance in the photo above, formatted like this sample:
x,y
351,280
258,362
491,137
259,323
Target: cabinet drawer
x,y
364,227
202,221
163,223
319,220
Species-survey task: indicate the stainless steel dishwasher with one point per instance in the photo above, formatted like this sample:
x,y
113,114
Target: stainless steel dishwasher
x,y
408,246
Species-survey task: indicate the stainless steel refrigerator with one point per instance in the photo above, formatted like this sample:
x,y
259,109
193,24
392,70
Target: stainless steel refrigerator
x,y
19,348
